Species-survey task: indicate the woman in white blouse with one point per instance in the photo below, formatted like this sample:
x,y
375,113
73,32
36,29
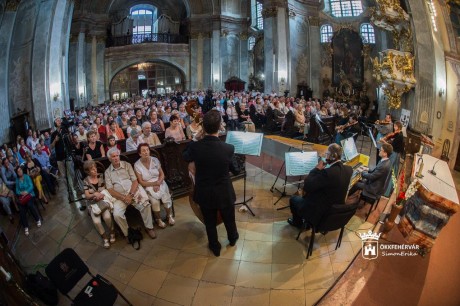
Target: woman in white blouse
x,y
151,177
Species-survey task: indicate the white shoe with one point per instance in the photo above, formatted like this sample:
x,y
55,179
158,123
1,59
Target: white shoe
x,y
106,244
26,231
160,223
39,223
171,221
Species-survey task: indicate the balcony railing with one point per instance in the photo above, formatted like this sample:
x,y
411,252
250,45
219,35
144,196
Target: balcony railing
x,y
147,38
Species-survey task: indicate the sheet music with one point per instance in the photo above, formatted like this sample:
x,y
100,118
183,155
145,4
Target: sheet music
x,y
371,135
300,163
246,143
349,148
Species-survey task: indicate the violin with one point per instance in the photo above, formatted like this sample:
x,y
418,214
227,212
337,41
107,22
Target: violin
x,y
341,128
382,122
388,137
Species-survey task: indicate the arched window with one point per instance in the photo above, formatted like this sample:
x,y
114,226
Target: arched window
x,y
251,42
257,21
143,16
346,8
326,33
367,33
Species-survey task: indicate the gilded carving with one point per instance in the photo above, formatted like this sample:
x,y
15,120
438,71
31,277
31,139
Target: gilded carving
x,y
291,13
224,33
12,5
396,73
270,12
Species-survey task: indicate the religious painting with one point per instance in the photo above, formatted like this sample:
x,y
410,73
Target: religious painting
x,y
348,62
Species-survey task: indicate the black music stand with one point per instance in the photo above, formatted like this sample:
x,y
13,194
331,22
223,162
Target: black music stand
x,y
283,193
245,201
244,146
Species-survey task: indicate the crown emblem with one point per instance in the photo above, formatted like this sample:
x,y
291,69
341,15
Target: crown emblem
x,y
370,235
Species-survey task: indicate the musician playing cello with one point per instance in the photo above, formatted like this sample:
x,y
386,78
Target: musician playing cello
x,y
211,160
347,130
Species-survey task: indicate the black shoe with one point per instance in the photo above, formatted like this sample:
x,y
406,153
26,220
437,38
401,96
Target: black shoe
x,y
233,241
296,224
215,249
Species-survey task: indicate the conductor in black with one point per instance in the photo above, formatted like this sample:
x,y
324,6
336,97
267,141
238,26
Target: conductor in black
x,y
212,159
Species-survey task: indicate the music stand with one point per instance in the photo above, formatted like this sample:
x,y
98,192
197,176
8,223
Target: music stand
x,y
245,143
297,164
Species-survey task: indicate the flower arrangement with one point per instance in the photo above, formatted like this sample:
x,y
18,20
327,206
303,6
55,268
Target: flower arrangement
x,y
405,194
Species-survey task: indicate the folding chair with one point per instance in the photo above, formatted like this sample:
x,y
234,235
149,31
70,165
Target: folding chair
x,y
336,218
67,269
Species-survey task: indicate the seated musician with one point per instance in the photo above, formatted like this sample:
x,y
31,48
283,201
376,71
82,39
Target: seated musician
x,y
383,128
375,180
323,187
396,139
348,130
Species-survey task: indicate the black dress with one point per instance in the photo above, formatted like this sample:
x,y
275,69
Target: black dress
x,y
96,153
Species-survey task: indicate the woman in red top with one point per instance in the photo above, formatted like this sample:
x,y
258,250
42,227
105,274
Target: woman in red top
x,y
101,130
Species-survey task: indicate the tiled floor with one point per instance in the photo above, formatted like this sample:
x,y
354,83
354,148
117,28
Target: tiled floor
x,y
266,267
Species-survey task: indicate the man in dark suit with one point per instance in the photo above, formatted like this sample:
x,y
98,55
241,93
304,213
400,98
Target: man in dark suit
x,y
211,160
323,187
376,180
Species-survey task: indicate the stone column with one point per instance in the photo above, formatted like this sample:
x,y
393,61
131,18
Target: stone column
x,y
315,54
6,31
206,64
80,68
216,77
244,58
423,105
94,98
269,15
193,61
276,48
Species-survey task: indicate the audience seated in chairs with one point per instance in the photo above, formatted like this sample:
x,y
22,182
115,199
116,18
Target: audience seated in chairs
x,y
26,196
101,205
151,177
122,184
33,169
133,141
175,130
94,149
6,199
147,136
8,174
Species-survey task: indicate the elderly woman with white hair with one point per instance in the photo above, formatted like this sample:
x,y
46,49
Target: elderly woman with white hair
x,y
133,141
151,177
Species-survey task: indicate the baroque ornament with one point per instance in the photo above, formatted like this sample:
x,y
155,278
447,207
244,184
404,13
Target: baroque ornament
x,y
395,68
395,71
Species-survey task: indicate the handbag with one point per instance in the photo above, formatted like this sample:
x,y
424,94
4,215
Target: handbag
x,y
24,199
99,207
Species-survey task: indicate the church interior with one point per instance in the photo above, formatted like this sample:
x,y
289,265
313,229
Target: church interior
x,y
299,75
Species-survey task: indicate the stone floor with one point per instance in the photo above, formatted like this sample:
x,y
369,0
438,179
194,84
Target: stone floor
x,y
266,267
